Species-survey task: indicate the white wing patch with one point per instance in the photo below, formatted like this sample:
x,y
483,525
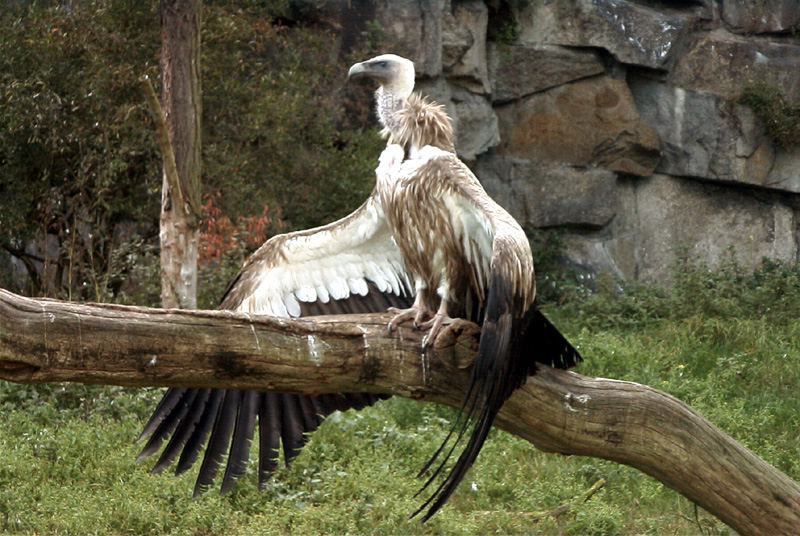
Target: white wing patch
x,y
306,294
292,306
335,262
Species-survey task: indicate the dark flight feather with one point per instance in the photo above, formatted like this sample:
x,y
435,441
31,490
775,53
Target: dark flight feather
x,y
201,430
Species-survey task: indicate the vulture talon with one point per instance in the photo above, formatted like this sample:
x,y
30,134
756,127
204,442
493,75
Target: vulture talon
x,y
416,313
435,326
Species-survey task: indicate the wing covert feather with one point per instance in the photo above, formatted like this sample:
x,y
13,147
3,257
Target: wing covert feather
x,y
332,261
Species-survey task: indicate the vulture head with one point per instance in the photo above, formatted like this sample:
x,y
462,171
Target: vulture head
x,y
394,74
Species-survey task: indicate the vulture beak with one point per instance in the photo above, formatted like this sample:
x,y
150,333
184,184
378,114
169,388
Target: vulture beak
x,y
356,71
379,70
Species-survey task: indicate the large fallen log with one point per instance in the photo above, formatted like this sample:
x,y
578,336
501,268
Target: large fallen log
x,y
47,340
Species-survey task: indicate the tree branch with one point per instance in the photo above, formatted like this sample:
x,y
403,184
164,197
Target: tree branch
x,y
168,155
47,340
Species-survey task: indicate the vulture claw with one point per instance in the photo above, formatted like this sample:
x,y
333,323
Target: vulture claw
x,y
416,314
435,326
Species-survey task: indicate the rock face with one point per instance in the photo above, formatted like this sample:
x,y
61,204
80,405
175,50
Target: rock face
x,y
464,46
591,122
631,32
703,135
546,66
618,121
550,195
660,215
723,64
415,28
760,16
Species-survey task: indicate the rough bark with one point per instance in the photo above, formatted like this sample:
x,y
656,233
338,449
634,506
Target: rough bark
x,y
47,340
181,97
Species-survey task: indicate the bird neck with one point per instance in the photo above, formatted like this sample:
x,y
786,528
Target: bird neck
x,y
388,102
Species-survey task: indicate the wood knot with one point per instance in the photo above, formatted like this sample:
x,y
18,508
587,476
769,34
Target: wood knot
x,y
457,344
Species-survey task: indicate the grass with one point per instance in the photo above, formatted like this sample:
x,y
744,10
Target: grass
x,y
723,340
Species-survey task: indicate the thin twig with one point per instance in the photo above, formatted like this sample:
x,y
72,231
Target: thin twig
x,y
170,167
556,512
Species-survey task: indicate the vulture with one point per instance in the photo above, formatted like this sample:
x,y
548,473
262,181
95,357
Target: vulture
x,y
465,257
428,244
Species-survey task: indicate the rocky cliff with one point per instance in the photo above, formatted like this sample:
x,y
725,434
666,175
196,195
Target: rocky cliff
x,y
620,122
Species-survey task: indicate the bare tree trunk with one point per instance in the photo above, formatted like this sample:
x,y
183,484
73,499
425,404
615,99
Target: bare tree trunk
x,y
181,97
47,340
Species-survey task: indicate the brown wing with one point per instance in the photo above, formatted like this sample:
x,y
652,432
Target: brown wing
x,y
348,266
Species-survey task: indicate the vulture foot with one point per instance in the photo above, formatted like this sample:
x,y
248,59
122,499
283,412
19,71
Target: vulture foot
x,y
415,313
435,326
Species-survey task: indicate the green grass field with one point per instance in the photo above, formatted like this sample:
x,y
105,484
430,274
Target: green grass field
x,y
726,342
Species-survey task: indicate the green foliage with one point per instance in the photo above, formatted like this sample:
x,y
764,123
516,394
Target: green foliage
x,y
771,292
273,106
503,26
75,161
556,279
782,120
79,160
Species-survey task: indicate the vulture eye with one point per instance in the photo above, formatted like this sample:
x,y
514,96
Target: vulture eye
x,y
382,64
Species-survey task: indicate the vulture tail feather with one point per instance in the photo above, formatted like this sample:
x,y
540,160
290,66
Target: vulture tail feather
x,y
184,429
502,364
495,374
552,348
195,442
242,436
461,424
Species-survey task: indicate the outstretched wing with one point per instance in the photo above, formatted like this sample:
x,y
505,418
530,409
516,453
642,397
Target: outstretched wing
x,y
514,334
349,266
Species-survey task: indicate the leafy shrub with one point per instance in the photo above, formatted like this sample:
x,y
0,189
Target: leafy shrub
x,y
782,120
771,291
76,162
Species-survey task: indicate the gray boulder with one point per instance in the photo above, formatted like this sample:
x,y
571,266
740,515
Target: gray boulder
x,y
724,64
760,16
660,215
549,195
704,135
415,28
464,46
475,123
